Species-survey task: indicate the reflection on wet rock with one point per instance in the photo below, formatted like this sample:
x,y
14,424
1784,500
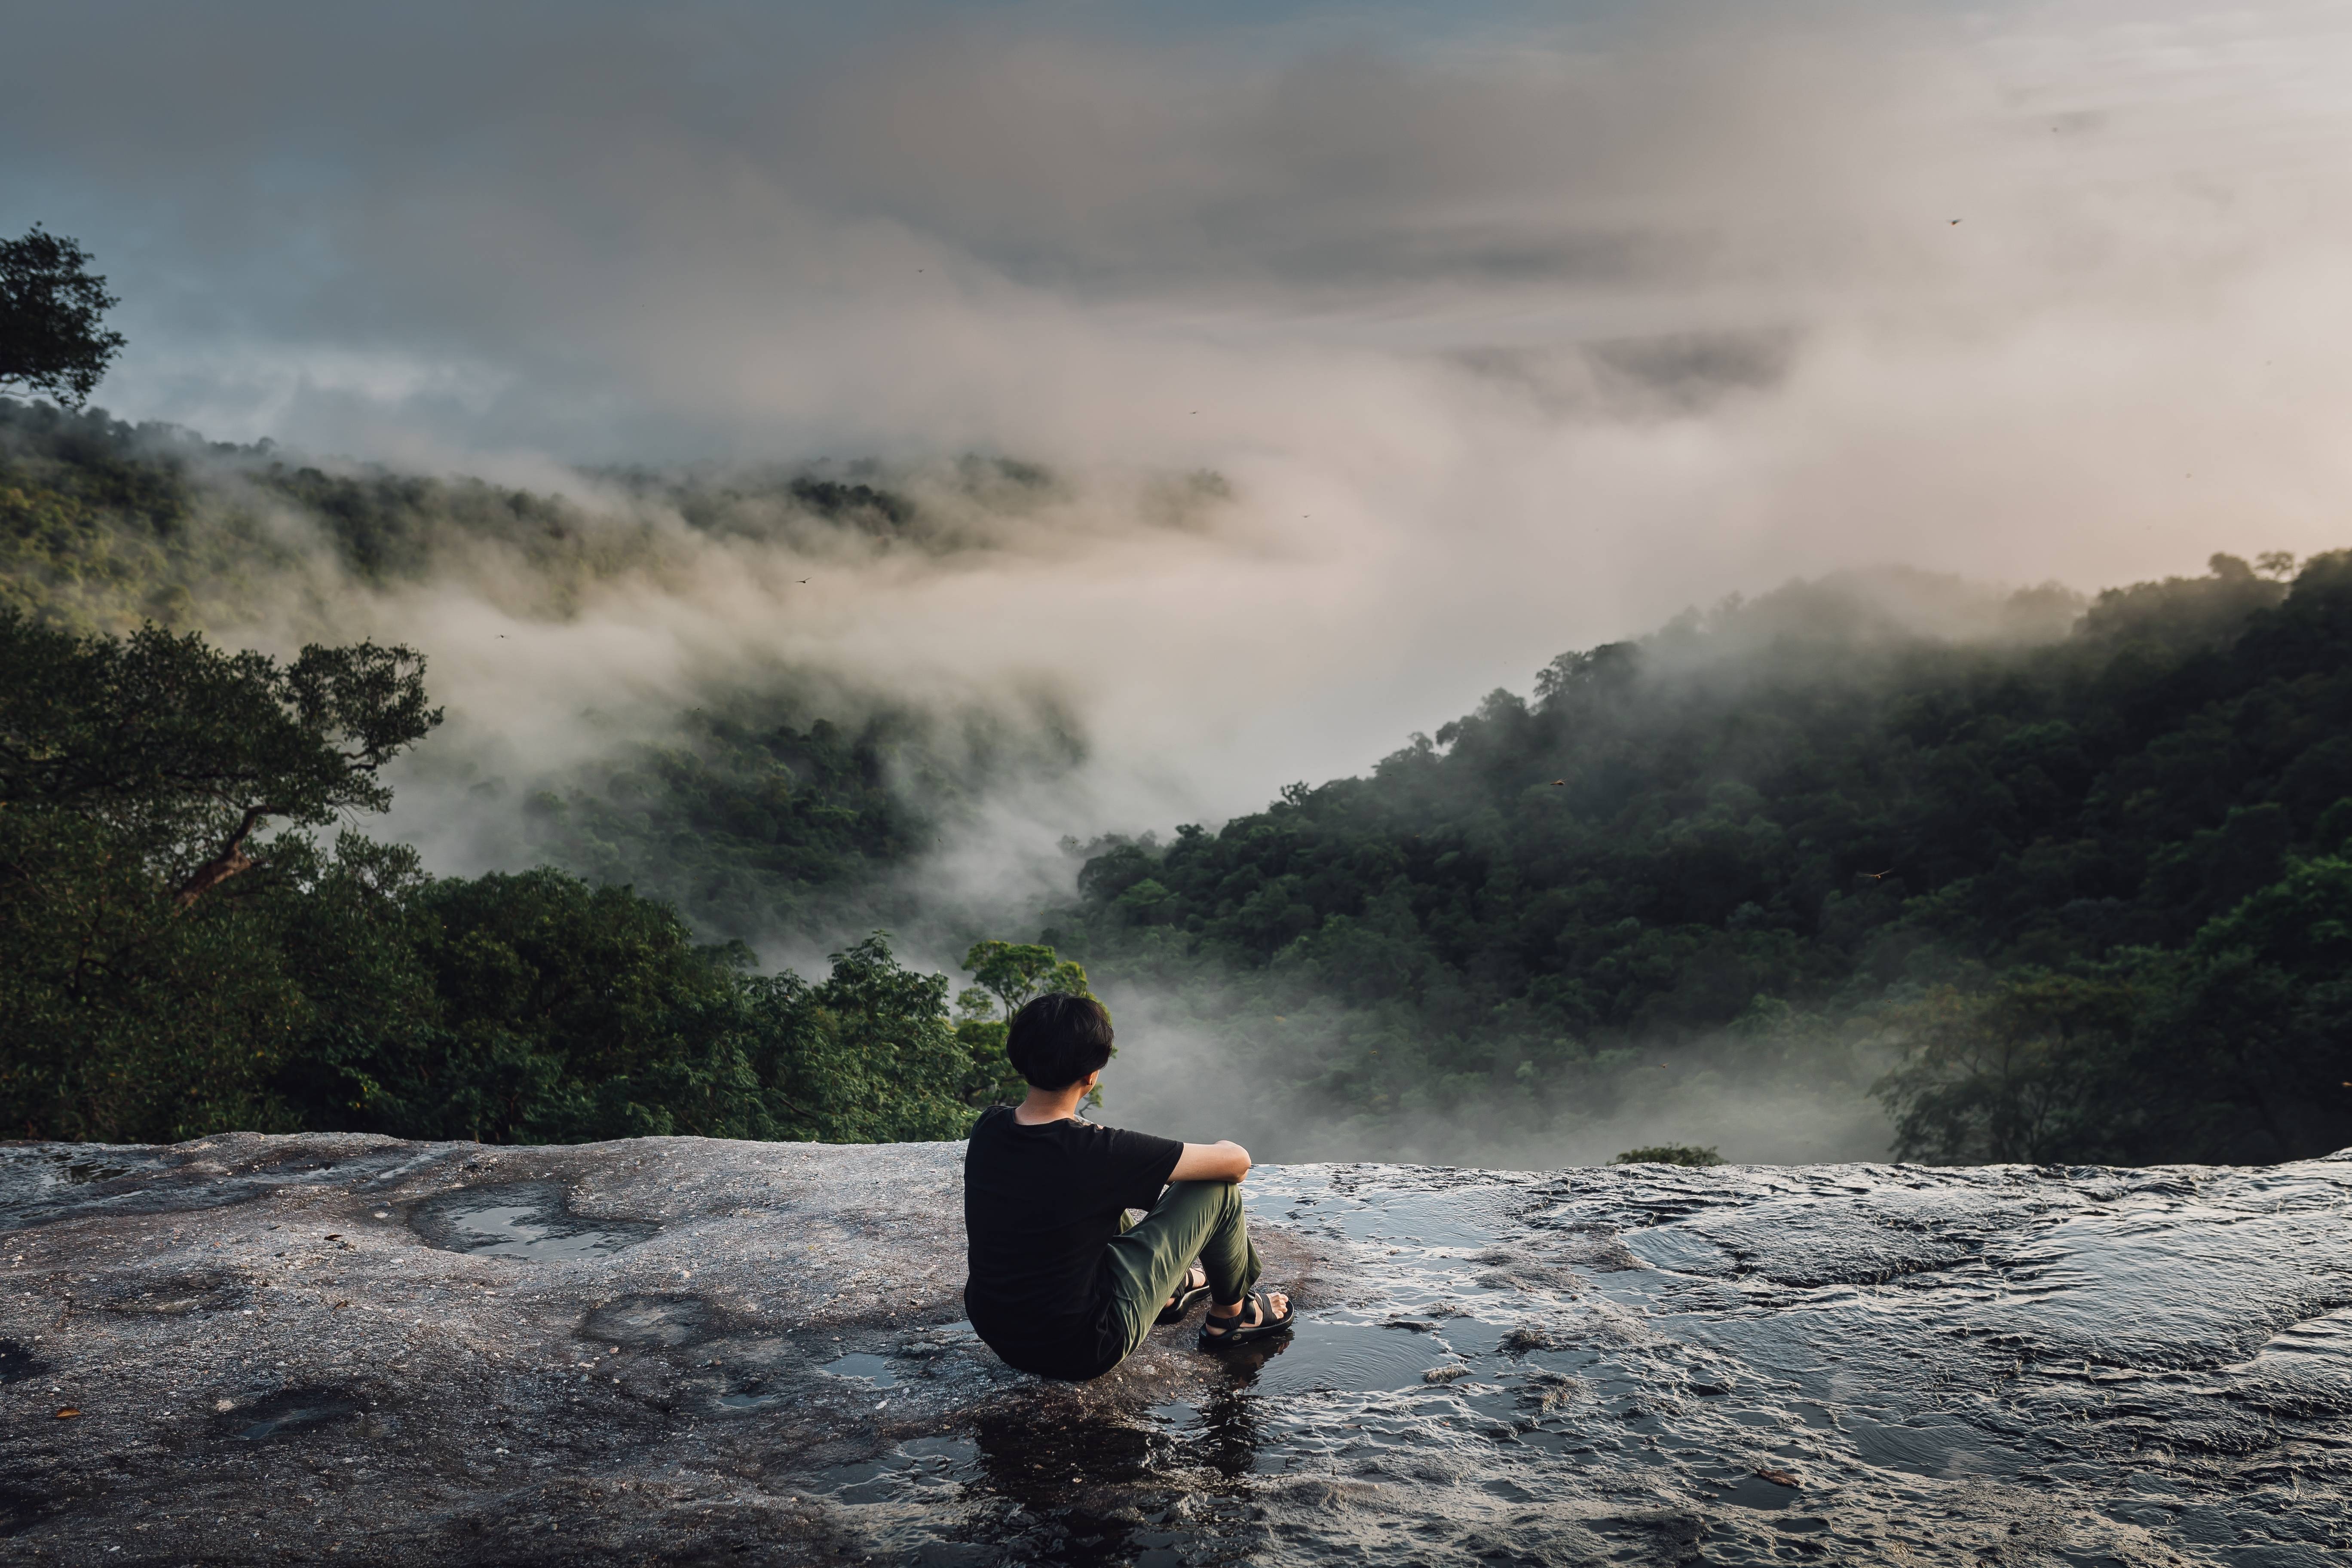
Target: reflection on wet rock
x,y
671,1351
531,1219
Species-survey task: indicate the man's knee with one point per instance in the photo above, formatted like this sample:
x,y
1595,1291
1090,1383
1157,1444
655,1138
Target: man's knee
x,y
1220,1197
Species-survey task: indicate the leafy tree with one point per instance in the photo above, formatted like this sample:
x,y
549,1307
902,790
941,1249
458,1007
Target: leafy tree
x,y
139,1000
877,1058
123,1017
984,1035
546,1011
53,337
553,1011
184,750
1013,973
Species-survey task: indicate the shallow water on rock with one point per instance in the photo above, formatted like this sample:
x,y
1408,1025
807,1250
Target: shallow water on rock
x,y
431,1353
1866,1363
530,1220
868,1369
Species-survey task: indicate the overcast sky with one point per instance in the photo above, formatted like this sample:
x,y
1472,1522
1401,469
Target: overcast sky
x,y
1516,328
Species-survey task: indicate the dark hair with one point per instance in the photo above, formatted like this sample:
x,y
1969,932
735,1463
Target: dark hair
x,y
1057,1041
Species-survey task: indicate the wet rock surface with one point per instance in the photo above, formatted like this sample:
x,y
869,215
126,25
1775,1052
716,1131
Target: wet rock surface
x,y
318,1349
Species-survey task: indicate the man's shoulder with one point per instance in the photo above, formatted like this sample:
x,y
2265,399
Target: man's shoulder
x,y
1104,1129
988,1127
1130,1138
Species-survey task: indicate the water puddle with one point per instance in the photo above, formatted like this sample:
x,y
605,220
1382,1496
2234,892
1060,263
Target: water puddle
x,y
1459,1218
1926,1447
81,1172
38,1181
871,1369
753,1399
2116,1289
2324,1342
1346,1358
531,1220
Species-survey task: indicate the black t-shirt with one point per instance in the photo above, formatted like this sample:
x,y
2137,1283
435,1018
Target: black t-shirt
x,y
1039,1203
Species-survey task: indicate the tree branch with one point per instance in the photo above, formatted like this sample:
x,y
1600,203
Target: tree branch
x,y
231,860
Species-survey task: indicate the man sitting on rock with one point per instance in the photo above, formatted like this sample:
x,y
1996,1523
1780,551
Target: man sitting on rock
x,y
1060,1284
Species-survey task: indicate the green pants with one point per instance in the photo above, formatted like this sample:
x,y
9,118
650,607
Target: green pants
x,y
1146,1262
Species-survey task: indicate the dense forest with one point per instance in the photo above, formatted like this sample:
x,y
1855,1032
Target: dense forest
x,y
2081,898
2071,884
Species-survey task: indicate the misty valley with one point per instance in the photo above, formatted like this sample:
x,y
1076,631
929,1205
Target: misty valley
x,y
2010,876
1152,786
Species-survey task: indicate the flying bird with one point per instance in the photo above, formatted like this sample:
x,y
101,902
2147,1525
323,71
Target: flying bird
x,y
1877,876
1559,784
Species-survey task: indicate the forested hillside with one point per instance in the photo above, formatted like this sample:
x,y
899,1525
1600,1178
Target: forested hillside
x,y
2086,898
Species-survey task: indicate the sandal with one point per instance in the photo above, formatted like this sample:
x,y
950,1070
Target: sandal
x,y
1194,1287
1251,1322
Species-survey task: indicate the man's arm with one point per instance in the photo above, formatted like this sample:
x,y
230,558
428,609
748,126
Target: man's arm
x,y
1222,1162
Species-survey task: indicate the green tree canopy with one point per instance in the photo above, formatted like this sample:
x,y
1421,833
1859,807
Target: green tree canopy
x,y
53,337
1015,971
185,751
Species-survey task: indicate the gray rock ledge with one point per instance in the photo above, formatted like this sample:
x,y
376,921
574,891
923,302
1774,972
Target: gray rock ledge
x,y
319,1349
